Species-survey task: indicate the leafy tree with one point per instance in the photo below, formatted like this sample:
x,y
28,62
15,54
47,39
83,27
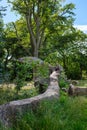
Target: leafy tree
x,y
2,10
2,52
16,39
68,49
72,54
40,16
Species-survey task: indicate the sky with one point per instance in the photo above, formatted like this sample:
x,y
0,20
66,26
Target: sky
x,y
80,11
10,15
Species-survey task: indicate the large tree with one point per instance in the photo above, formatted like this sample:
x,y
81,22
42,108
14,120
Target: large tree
x,y
40,15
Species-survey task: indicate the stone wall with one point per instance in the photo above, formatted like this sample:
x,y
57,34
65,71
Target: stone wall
x,y
9,111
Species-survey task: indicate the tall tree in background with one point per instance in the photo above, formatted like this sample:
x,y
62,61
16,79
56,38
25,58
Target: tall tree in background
x,y
70,50
2,52
2,10
39,15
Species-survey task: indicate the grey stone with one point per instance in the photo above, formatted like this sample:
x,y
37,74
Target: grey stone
x,y
9,111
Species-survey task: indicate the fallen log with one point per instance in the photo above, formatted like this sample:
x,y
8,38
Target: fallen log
x,y
9,111
77,91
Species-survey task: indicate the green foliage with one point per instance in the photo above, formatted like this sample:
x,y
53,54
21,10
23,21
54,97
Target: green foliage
x,y
51,24
63,83
52,34
52,58
74,73
64,114
2,52
26,68
67,113
22,73
76,65
82,83
1,73
44,20
69,50
8,94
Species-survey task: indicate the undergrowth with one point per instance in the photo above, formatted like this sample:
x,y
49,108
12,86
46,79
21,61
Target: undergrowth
x,y
67,113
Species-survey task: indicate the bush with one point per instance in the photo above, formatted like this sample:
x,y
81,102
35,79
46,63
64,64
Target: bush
x,y
63,83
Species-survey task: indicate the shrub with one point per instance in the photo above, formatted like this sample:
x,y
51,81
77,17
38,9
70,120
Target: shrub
x,y
63,82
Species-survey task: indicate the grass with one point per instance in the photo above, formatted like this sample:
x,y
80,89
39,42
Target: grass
x,y
67,113
8,93
82,83
63,114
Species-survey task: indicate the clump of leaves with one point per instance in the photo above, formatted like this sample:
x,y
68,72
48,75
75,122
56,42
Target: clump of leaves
x,y
63,82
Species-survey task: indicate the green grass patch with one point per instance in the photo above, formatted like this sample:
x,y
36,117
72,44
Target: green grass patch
x,y
8,94
63,114
67,113
82,83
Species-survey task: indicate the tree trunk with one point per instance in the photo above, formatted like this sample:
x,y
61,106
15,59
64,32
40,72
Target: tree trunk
x,y
35,53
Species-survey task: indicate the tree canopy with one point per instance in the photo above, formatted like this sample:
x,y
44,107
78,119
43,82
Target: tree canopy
x,y
45,30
